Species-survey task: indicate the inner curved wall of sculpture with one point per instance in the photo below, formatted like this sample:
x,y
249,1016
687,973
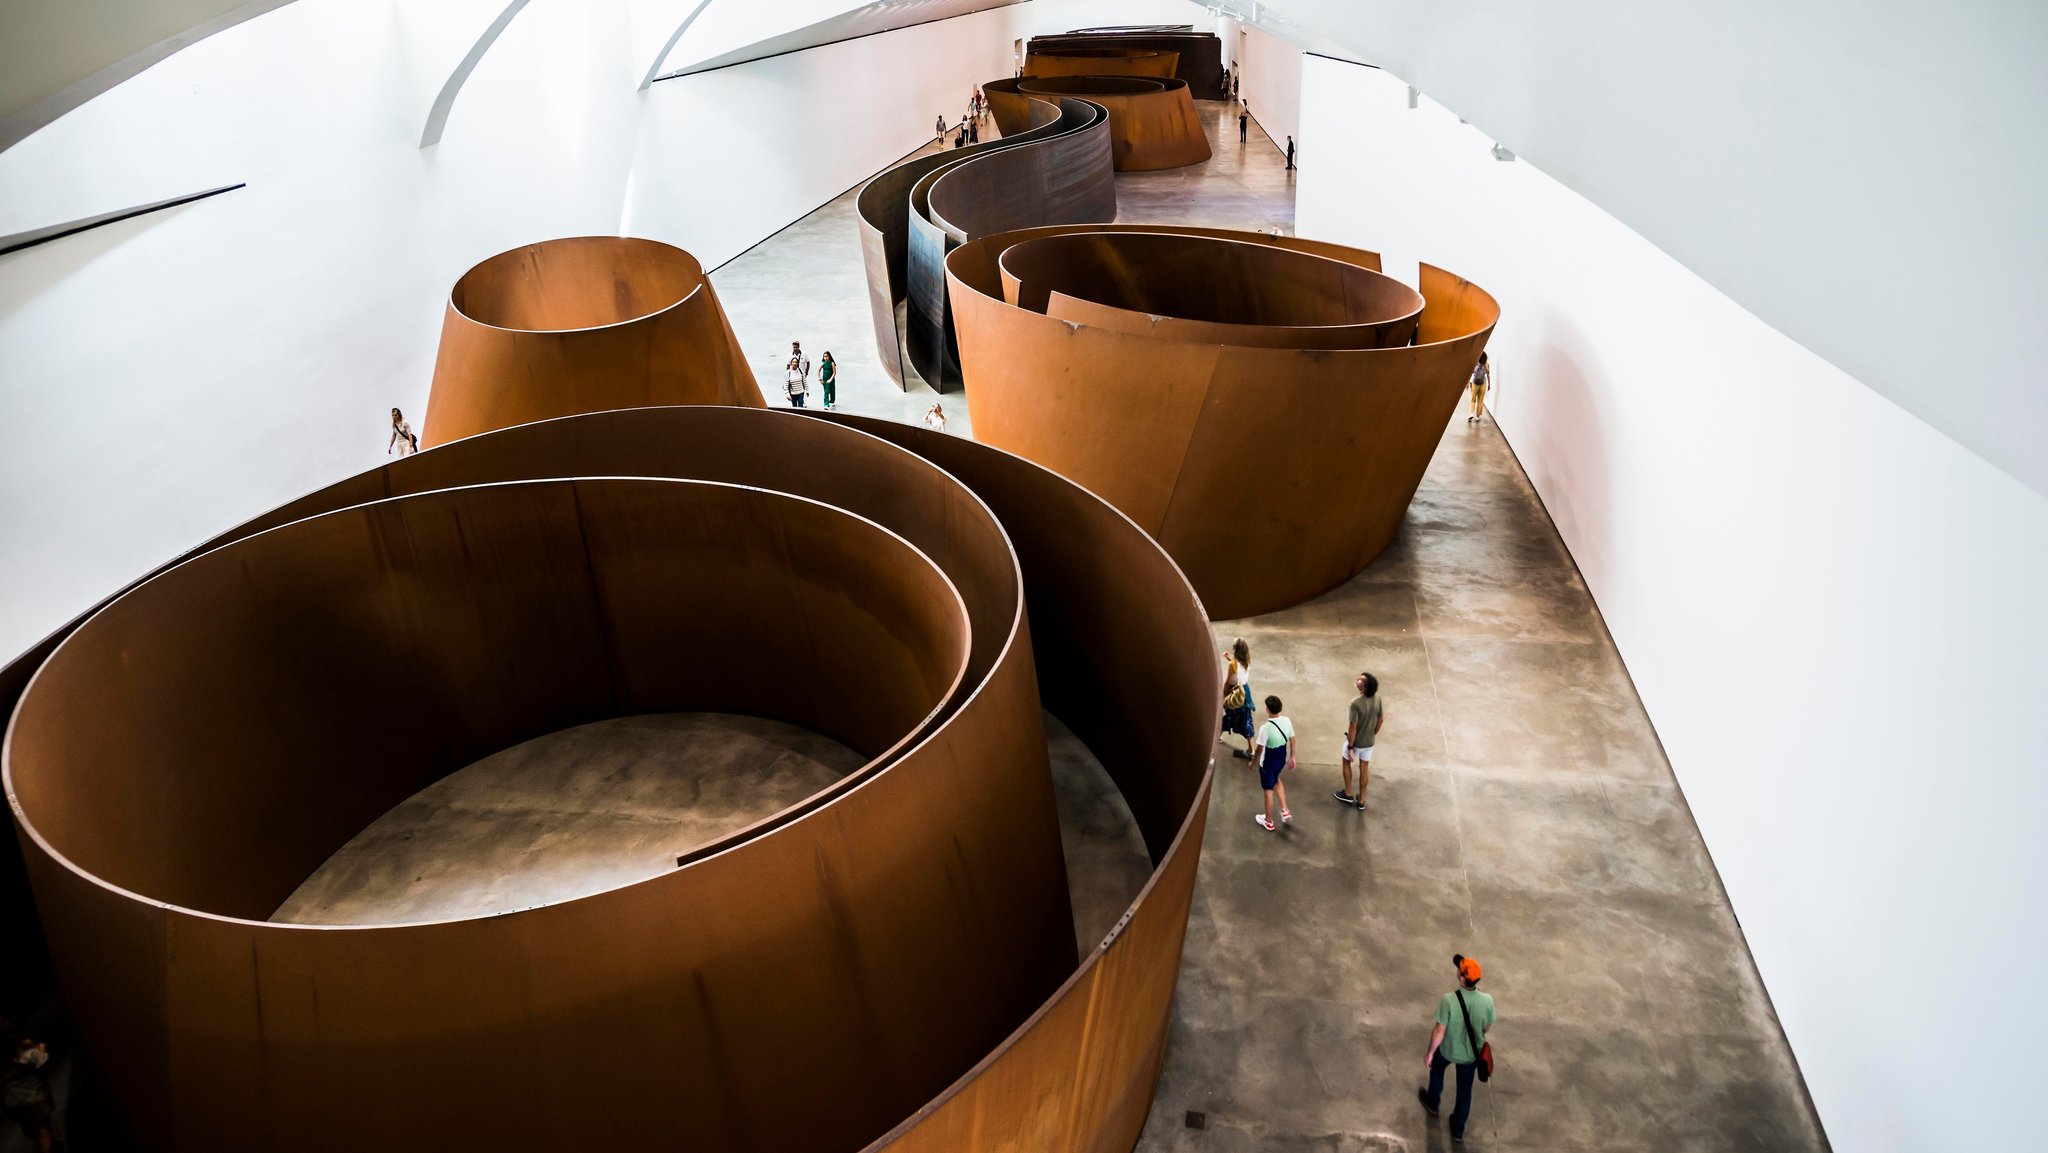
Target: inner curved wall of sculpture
x,y
1152,123
1101,62
1198,55
1056,169
1303,457
224,1032
581,324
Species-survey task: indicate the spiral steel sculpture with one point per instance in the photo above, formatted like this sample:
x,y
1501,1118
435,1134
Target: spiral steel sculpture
x,y
1152,123
1101,62
888,964
1198,56
1265,407
582,324
1053,166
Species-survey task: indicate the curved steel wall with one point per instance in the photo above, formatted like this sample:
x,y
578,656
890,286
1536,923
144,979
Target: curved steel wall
x,y
581,324
1263,415
1152,123
1054,168
897,948
1101,62
1198,55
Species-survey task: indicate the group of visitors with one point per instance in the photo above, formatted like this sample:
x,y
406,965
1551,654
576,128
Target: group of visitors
x,y
797,377
1269,743
1464,1015
969,129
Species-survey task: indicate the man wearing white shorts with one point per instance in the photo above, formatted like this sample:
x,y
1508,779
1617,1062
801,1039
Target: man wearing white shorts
x,y
1367,715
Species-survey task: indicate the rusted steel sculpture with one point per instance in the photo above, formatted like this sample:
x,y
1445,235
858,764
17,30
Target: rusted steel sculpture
x,y
1054,167
1253,402
1152,123
1101,62
581,324
1198,56
887,964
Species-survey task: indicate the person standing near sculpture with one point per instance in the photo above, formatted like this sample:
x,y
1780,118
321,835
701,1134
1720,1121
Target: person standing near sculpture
x,y
402,439
1244,120
1367,715
25,1091
828,379
797,375
935,418
941,130
1290,153
1237,695
1276,755
1481,377
1458,1040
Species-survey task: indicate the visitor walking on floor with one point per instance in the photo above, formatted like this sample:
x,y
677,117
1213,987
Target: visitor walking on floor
x,y
935,418
828,379
1244,119
973,131
1276,755
1458,1041
25,1091
1290,153
402,439
797,375
1481,377
1367,715
942,128
1237,695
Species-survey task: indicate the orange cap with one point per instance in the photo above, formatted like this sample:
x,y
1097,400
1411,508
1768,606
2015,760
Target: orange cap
x,y
1468,969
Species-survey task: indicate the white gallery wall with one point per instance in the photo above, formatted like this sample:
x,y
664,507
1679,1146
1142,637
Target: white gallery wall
x,y
1831,609
166,377
1270,82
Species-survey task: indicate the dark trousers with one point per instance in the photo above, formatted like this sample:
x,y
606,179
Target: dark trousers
x,y
796,400
1436,1091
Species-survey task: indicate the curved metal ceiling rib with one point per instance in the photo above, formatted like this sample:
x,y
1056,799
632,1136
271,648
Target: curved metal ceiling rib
x,y
866,20
58,54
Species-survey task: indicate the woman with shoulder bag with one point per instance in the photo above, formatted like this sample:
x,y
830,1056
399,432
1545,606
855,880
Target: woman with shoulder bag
x,y
1237,695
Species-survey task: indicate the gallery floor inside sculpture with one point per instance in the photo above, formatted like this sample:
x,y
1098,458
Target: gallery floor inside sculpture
x,y
899,942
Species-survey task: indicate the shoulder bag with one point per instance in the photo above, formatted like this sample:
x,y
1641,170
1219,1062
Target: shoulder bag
x,y
1485,1050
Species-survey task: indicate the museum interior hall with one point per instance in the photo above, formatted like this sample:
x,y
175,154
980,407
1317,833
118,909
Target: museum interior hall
x,y
1021,576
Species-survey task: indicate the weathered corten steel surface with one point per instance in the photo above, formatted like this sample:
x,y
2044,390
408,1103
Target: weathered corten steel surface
x,y
581,324
1056,168
1271,471
1101,62
899,945
1079,1075
1152,123
1198,55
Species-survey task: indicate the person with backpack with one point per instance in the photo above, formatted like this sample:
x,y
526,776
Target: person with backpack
x,y
1463,1016
1481,377
1367,715
798,375
1276,755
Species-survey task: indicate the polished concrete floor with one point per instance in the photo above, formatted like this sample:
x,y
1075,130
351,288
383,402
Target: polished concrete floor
x,y
565,815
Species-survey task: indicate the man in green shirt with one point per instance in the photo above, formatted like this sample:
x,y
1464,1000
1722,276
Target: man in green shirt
x,y
1367,715
1462,1018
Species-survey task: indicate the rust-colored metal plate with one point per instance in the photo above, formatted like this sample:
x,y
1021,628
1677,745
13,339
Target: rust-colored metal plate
x,y
1101,62
1270,472
1053,166
1198,55
582,324
1152,123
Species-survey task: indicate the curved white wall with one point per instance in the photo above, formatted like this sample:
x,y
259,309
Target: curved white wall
x,y
1831,610
168,376
1865,178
